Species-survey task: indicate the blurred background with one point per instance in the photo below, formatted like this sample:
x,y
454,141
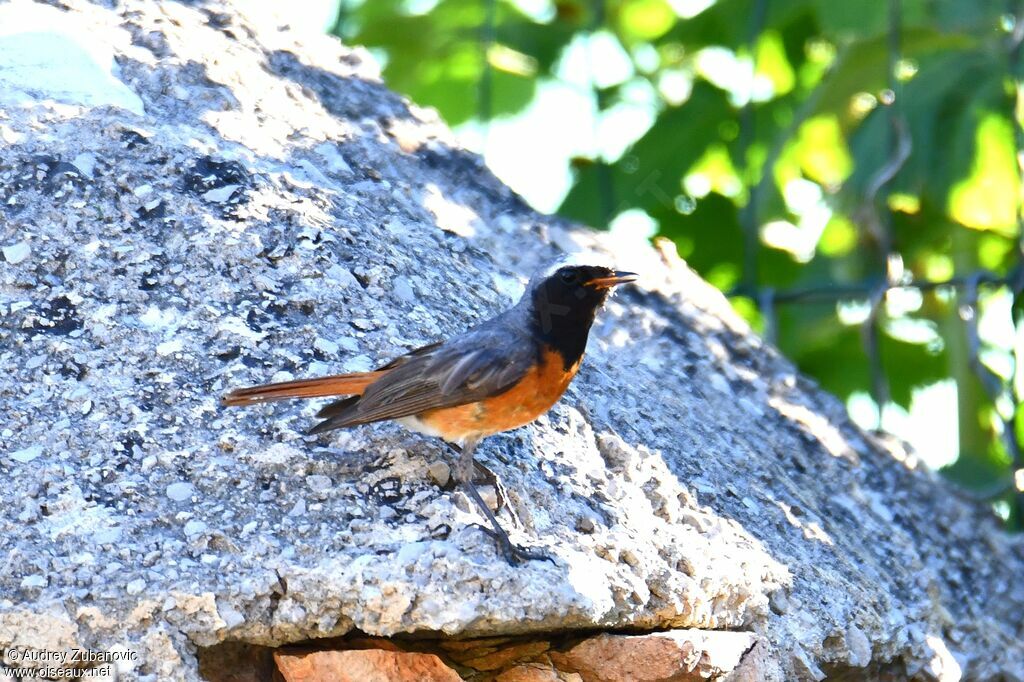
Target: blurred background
x,y
846,172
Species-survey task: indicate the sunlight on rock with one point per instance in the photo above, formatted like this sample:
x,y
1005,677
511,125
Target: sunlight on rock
x,y
590,581
811,529
450,216
43,53
817,426
943,665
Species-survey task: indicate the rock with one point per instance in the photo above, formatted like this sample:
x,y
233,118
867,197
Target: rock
x,y
326,346
803,667
85,163
298,509
943,666
221,194
531,672
489,495
47,56
28,454
859,647
505,655
32,639
335,161
31,581
193,528
403,290
236,662
679,655
16,253
180,491
318,483
368,665
169,347
440,473
688,475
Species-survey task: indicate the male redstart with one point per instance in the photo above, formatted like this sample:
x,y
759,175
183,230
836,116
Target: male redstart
x,y
497,376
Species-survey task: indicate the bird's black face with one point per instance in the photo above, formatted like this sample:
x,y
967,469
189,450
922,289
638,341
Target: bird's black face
x,y
564,304
575,290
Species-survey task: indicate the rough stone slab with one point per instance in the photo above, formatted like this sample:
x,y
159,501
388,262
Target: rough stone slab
x,y
367,665
678,655
533,673
689,479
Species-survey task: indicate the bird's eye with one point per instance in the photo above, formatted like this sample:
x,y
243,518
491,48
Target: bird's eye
x,y
568,276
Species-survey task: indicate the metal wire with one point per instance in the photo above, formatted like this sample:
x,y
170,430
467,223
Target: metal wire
x,y
1013,65
875,218
747,132
485,86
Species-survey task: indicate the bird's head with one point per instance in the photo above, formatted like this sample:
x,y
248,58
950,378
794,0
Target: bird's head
x,y
569,295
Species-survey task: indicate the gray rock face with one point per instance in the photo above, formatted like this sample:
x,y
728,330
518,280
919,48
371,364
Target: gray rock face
x,y
229,203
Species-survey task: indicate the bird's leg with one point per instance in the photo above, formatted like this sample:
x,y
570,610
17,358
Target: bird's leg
x,y
502,493
481,471
465,464
464,474
499,488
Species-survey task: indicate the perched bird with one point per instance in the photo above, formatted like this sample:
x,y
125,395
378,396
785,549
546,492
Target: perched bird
x,y
498,375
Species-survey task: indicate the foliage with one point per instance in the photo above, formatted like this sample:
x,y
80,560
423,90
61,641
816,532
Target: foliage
x,y
850,143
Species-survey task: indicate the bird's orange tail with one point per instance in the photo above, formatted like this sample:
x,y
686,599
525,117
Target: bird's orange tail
x,y
339,384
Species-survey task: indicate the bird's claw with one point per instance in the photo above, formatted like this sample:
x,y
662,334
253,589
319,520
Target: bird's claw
x,y
513,553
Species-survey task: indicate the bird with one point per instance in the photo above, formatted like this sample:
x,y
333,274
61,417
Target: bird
x,y
498,375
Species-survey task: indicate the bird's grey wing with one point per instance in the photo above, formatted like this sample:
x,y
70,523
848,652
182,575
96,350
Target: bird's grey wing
x,y
343,406
481,363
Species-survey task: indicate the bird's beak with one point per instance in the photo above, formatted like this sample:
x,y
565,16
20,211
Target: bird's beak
x,y
614,280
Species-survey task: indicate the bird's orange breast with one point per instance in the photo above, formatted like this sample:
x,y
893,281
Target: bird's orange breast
x,y
532,396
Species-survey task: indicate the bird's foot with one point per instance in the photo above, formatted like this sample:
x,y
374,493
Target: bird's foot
x,y
513,553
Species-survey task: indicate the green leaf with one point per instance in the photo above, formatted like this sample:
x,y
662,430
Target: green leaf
x,y
711,240
987,198
440,58
649,174
844,20
727,22
861,67
773,64
640,20
979,470
822,150
976,16
834,353
941,107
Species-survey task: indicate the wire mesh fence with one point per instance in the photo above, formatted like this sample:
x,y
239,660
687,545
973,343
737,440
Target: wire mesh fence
x,y
875,220
651,182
